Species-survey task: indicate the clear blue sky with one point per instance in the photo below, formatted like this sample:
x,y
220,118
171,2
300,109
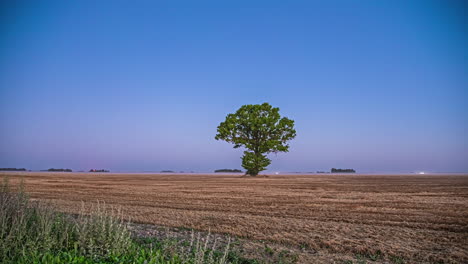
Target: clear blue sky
x,y
379,86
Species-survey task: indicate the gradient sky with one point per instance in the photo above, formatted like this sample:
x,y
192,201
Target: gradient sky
x,y
379,86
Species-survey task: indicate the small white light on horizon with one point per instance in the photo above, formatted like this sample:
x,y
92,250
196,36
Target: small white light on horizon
x,y
276,173
421,172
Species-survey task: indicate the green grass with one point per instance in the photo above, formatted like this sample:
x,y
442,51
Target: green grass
x,y
33,232
269,250
397,259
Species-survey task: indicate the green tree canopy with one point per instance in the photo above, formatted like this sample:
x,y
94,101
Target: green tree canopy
x,y
261,130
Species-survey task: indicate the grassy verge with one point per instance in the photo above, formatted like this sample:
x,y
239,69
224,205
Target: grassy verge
x,y
33,232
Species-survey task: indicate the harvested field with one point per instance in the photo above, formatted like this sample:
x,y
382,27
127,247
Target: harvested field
x,y
410,218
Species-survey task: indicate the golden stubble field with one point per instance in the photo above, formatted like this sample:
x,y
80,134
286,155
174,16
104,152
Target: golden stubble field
x,y
419,218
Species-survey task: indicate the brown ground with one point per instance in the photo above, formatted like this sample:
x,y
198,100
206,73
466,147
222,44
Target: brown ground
x,y
415,218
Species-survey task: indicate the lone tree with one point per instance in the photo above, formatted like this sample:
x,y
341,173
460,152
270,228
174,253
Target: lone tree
x,y
261,130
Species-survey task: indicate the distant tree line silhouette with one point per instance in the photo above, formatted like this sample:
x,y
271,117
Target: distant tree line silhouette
x,y
12,169
94,170
228,170
333,170
58,170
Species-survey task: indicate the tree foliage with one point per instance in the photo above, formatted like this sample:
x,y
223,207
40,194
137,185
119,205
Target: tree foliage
x,y
333,170
261,130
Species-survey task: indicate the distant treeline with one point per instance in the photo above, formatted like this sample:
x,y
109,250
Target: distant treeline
x,y
167,171
12,169
58,170
228,170
94,170
333,170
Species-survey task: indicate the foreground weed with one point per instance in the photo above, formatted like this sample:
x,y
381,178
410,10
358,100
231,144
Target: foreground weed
x,y
33,232
269,250
397,260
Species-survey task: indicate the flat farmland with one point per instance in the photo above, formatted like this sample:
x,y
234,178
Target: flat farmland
x,y
410,218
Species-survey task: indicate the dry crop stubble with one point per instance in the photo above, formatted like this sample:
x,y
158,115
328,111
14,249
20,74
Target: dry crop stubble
x,y
420,218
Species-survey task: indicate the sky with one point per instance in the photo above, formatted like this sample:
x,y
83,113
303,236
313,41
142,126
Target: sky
x,y
378,86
